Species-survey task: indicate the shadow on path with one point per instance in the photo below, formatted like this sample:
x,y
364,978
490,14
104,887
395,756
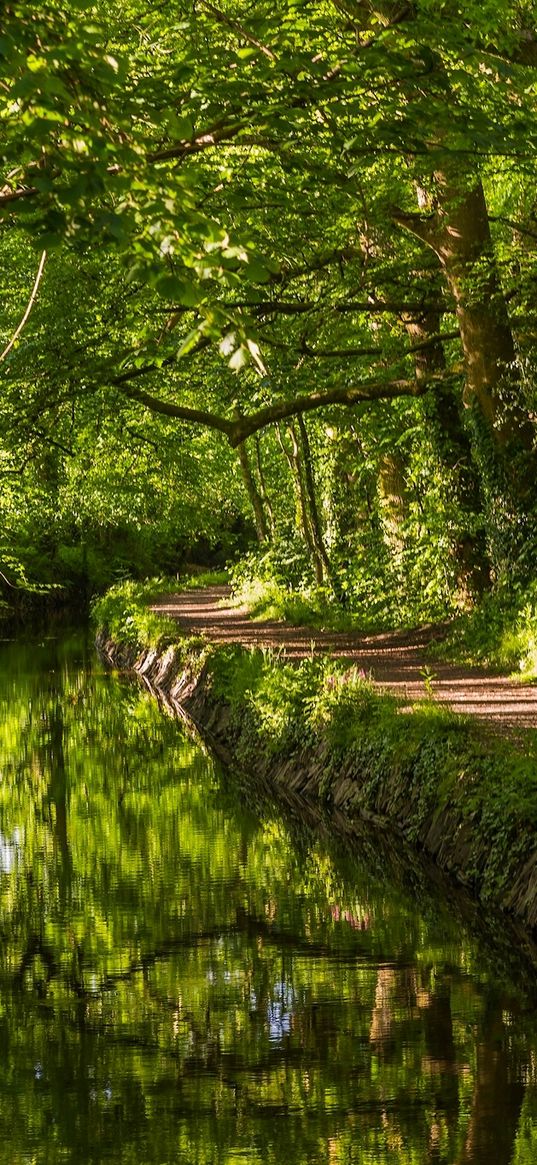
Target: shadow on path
x,y
395,659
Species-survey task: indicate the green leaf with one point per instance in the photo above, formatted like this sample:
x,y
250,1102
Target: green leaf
x,y
172,287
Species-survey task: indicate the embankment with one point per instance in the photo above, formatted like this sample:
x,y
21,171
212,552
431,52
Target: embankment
x,y
321,730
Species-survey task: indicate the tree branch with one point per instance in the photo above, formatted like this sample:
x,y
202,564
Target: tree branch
x,y
179,412
202,141
9,195
515,226
234,24
290,307
332,353
166,362
241,427
29,307
424,226
342,395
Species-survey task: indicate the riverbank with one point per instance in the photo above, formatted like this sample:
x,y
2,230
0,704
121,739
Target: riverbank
x,y
320,729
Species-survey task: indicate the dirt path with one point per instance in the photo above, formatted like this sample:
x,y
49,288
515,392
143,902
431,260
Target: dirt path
x,y
395,660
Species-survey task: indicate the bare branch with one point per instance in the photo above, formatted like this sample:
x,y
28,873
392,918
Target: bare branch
x,y
29,307
241,427
234,24
8,583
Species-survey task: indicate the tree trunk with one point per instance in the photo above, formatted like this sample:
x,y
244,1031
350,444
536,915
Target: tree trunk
x,y
315,522
294,462
392,497
256,500
503,436
263,492
440,1064
464,246
459,233
497,1099
454,450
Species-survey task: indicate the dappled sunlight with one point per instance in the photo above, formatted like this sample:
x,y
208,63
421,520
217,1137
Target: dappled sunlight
x,y
395,660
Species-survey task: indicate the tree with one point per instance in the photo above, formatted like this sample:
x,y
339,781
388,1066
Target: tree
x,y
252,180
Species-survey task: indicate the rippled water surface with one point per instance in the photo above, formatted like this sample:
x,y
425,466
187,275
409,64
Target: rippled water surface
x,y
184,978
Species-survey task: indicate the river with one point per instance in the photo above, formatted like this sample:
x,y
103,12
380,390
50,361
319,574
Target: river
x,y
190,973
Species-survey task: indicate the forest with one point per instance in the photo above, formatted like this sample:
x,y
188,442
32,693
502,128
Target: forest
x,y
269,278
269,316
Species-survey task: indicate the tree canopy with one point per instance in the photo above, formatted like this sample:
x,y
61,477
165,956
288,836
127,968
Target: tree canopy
x,y
310,225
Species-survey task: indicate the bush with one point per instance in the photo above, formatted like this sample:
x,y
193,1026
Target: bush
x,y
500,632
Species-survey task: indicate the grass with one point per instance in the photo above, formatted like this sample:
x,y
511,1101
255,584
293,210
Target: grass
x,y
124,609
500,632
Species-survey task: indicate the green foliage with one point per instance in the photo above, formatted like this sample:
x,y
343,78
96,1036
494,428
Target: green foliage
x,y
123,612
201,579
168,168
501,631
274,598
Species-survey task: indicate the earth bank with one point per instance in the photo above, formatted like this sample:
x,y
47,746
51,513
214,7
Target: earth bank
x,y
319,729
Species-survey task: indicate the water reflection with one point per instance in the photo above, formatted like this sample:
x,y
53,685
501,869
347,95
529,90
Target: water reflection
x,y
184,980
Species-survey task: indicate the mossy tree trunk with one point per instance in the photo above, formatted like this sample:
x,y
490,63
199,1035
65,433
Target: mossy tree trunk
x,y
452,443
256,500
455,225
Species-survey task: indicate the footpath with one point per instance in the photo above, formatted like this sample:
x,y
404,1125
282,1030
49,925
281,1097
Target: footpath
x,y
396,661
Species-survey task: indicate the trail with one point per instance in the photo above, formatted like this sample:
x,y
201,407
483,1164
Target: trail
x,y
396,660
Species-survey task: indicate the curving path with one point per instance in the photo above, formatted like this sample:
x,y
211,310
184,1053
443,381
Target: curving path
x,y
395,659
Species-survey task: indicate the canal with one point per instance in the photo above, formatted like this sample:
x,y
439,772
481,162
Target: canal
x,y
191,973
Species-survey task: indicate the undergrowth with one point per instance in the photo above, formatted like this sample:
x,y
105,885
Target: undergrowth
x,y
308,607
501,632
275,583
124,611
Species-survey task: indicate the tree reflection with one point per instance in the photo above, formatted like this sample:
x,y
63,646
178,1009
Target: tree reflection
x,y
497,1096
182,980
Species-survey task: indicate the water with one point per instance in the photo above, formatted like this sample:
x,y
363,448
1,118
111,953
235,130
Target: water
x,y
188,978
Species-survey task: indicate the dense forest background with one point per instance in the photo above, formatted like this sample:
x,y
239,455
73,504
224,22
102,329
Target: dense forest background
x,y
269,278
